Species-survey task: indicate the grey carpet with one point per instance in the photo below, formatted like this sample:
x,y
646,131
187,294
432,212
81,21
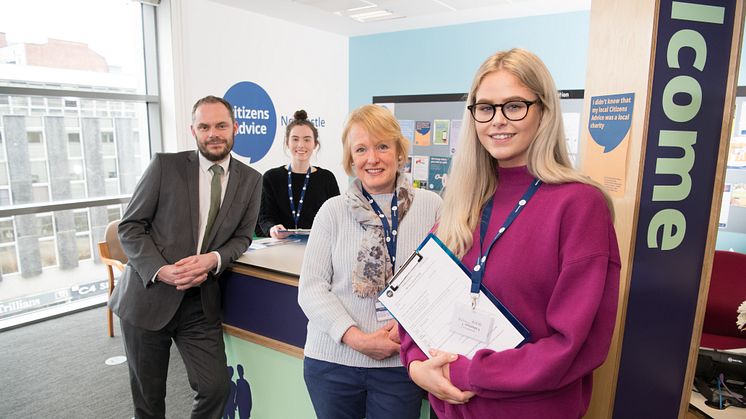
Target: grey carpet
x,y
56,369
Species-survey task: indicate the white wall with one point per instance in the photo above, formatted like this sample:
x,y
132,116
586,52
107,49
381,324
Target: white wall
x,y
214,46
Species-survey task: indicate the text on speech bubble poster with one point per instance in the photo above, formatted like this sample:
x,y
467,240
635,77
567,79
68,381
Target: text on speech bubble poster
x,y
605,156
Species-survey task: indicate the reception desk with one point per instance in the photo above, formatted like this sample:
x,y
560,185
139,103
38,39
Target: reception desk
x,y
265,330
260,298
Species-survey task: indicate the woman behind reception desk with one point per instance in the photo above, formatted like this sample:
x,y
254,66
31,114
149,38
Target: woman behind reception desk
x,y
351,366
292,194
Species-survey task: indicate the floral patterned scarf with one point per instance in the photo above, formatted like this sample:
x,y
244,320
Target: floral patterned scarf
x,y
373,266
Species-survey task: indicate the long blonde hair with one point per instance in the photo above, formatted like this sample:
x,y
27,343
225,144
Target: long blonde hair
x,y
473,176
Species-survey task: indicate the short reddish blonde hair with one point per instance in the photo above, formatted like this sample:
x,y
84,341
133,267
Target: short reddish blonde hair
x,y
381,124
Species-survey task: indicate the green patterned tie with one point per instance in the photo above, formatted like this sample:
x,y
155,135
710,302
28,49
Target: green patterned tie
x,y
215,192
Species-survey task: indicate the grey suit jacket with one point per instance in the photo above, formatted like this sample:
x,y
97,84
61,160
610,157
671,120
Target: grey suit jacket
x,y
160,227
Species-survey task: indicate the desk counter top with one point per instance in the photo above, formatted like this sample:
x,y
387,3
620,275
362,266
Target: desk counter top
x,y
284,258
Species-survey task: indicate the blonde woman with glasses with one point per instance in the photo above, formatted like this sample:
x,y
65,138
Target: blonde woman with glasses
x,y
539,236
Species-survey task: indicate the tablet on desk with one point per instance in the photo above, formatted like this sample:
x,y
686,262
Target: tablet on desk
x,y
266,242
298,231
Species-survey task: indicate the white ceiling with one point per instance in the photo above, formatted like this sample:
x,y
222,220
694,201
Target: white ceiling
x,y
410,14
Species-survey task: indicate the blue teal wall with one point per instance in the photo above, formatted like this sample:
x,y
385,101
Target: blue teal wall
x,y
444,59
727,240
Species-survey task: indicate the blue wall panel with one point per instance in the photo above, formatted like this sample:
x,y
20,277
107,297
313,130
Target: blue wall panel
x,y
444,59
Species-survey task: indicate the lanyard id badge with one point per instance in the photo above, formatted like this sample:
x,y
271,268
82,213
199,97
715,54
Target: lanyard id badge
x,y
478,271
389,234
296,214
472,323
382,313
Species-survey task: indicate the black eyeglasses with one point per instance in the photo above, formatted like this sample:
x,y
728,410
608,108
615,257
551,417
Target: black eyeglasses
x,y
514,110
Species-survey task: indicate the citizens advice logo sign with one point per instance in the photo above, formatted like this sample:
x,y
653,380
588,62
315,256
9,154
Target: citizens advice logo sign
x,y
256,118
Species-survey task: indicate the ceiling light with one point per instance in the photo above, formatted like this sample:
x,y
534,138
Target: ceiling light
x,y
369,12
367,6
366,16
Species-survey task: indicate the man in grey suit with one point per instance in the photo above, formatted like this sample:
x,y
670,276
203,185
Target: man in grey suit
x,y
190,216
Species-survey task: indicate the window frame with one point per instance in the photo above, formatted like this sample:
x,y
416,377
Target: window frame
x,y
24,99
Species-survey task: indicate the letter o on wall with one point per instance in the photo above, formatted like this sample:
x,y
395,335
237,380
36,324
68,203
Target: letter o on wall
x,y
682,84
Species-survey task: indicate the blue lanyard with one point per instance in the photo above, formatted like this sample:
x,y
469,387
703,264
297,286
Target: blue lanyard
x,y
296,215
388,232
478,270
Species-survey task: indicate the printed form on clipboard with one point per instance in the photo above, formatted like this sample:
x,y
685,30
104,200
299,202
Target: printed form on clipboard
x,y
427,296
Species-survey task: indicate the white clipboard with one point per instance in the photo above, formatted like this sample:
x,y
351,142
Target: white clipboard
x,y
424,292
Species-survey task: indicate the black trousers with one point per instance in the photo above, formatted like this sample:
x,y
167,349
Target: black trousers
x,y
201,346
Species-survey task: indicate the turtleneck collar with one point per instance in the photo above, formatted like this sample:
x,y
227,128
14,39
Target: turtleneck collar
x,y
513,175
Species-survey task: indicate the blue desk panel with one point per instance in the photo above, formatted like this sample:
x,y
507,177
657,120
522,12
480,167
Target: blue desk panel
x,y
263,307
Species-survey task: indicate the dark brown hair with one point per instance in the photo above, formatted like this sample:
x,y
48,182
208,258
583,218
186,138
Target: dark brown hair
x,y
214,99
301,118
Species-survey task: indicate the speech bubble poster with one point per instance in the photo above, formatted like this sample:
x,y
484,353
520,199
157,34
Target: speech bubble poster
x,y
605,156
256,118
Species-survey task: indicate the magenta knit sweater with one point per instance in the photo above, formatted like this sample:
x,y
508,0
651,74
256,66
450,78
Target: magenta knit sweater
x,y
557,269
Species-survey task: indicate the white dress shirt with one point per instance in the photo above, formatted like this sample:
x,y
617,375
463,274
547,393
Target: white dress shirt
x,y
205,184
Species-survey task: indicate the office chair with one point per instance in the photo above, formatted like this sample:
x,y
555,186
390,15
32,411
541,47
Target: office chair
x,y
112,255
727,292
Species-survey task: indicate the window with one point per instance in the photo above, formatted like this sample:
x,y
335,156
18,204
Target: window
x,y
38,106
77,190
74,149
112,187
7,232
48,252
83,246
87,86
81,221
33,138
107,144
35,145
39,171
4,174
18,105
8,259
114,213
4,197
82,235
40,193
46,226
110,168
76,169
